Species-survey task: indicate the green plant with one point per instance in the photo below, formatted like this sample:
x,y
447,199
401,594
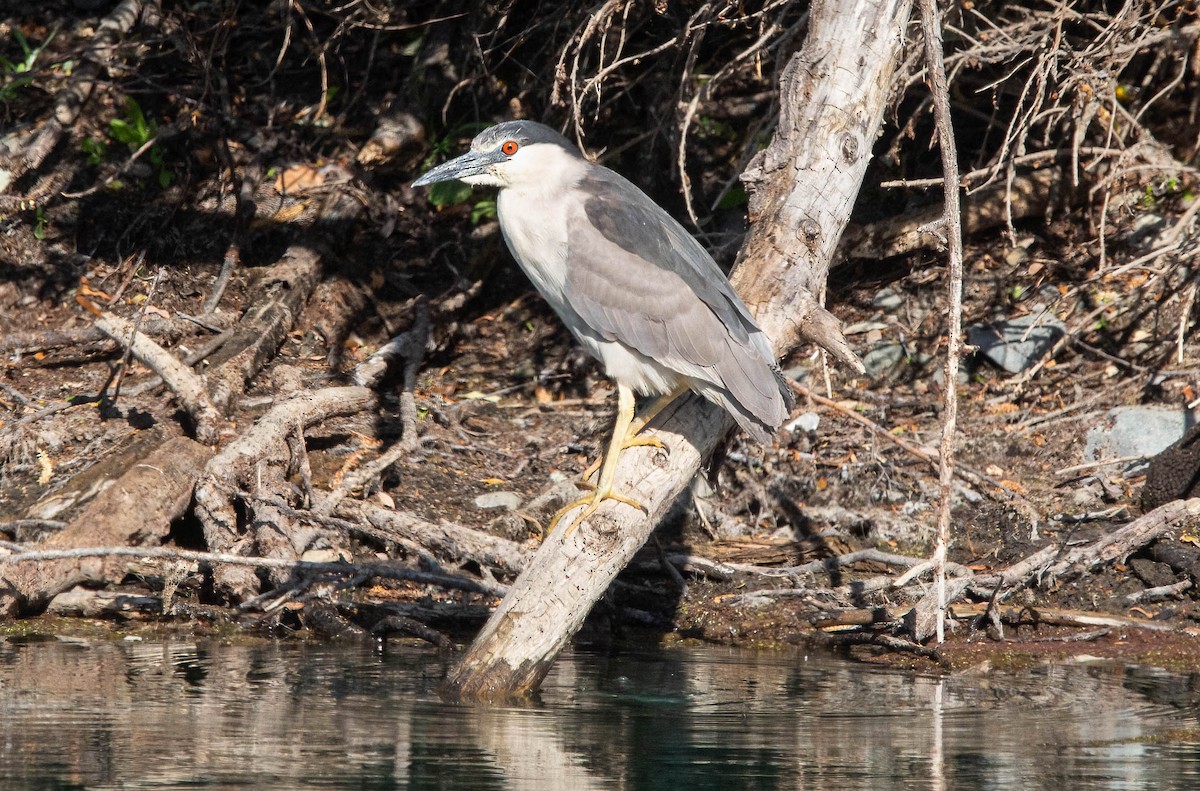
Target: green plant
x,y
483,210
95,149
40,224
135,131
449,193
734,197
17,72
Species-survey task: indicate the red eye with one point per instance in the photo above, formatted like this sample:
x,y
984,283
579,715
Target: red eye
x,y
509,147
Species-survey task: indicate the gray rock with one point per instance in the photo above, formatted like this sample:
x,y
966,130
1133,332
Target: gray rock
x,y
1136,431
1016,344
887,300
510,501
807,423
883,360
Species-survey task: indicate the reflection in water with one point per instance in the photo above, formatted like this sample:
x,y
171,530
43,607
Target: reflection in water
x,y
102,715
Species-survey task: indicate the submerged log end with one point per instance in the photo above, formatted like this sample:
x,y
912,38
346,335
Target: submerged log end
x,y
489,679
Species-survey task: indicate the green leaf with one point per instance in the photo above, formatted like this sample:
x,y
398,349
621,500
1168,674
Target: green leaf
x,y
95,150
40,224
483,210
449,193
121,131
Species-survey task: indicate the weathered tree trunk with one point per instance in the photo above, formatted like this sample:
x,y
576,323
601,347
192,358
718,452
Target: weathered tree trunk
x,y
148,492
804,184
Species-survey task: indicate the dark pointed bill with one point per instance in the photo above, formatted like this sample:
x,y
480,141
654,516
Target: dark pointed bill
x,y
469,164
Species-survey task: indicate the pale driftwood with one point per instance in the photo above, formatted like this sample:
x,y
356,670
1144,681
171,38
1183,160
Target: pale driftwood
x,y
89,603
410,346
28,341
1161,592
1123,541
259,462
158,488
803,186
1052,563
274,301
187,385
444,539
1011,614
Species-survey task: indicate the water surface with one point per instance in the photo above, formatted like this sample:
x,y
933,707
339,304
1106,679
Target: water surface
x,y
202,715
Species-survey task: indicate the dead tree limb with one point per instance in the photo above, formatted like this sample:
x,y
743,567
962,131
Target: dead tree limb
x,y
952,230
445,539
70,101
275,301
411,347
803,186
158,488
27,341
218,559
187,385
259,461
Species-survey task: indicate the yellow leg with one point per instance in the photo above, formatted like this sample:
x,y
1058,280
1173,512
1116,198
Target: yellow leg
x,y
608,469
652,411
633,436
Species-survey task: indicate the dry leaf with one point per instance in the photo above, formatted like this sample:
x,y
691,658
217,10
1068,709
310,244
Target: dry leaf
x,y
87,291
298,179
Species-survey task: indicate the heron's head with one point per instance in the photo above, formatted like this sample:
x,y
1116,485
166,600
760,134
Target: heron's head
x,y
511,154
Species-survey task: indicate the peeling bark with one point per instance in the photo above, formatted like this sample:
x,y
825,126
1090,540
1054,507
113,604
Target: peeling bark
x,y
158,488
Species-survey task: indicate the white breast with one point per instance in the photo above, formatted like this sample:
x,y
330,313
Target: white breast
x,y
533,220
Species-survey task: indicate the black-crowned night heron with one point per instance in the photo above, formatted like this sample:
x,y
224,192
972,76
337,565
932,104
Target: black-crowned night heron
x,y
640,294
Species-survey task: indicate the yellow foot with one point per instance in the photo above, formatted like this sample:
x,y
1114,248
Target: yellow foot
x,y
592,502
636,441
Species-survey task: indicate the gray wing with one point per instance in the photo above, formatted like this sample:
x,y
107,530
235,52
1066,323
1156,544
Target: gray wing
x,y
635,276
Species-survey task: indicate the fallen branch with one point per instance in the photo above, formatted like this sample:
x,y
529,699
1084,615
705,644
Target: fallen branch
x,y
171,330
409,346
187,385
157,487
70,101
1013,615
447,540
273,303
216,560
1052,563
259,462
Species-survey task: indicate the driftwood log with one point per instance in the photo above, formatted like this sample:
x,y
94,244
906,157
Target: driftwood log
x,y
803,186
157,487
260,462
